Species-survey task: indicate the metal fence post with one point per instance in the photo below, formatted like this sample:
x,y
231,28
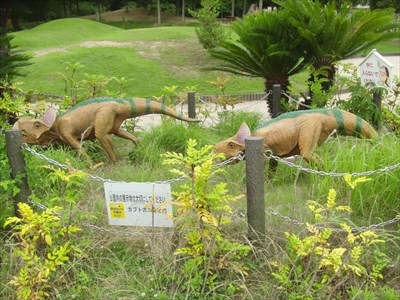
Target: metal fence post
x,y
16,159
192,105
255,188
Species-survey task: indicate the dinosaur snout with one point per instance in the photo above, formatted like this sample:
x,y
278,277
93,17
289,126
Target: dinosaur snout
x,y
23,132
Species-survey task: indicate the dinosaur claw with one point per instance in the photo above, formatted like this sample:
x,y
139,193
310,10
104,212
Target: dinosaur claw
x,y
96,166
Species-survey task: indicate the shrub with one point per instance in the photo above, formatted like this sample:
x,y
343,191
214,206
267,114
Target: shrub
x,y
210,258
325,263
45,246
211,32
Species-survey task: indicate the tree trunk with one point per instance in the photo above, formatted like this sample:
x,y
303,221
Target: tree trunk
x,y
158,12
3,32
98,13
183,10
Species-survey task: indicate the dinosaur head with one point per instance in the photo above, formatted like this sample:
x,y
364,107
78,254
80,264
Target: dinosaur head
x,y
35,131
235,144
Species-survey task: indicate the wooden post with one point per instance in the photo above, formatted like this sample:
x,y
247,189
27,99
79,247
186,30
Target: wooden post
x,y
276,92
255,188
192,105
16,159
377,98
276,100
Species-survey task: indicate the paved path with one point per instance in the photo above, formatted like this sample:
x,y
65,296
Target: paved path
x,y
253,106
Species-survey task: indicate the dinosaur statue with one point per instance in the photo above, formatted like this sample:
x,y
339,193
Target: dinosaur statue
x,y
91,119
298,133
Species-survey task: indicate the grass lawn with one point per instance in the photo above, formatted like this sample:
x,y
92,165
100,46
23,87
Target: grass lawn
x,y
150,58
120,263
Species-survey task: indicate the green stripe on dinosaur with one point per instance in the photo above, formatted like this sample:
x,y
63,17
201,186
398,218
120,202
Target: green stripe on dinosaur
x,y
91,101
294,114
148,106
359,125
133,107
340,120
163,108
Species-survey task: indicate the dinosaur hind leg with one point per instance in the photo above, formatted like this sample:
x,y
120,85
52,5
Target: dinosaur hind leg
x,y
126,135
106,142
308,141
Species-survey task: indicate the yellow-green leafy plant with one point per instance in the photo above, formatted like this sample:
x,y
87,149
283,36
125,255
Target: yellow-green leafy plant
x,y
45,246
171,96
329,260
70,183
95,82
10,107
211,260
223,100
71,85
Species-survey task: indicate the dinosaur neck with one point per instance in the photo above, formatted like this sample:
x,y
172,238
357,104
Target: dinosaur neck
x,y
49,137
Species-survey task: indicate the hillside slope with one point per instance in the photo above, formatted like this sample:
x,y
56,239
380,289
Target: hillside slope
x,y
149,58
61,32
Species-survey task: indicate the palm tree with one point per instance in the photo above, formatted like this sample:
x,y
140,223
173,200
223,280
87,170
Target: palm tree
x,y
331,34
10,64
265,47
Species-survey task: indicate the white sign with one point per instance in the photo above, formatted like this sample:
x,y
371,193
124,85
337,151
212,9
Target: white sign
x,y
375,70
139,204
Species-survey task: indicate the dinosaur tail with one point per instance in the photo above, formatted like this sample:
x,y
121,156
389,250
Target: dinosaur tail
x,y
140,107
350,124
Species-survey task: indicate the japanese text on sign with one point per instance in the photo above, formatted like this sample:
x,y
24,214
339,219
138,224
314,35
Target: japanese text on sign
x,y
139,204
375,70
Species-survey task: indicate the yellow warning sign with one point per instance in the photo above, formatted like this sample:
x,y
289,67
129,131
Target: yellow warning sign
x,y
117,210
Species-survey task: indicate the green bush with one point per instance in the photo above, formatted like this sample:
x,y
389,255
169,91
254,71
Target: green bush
x,y
169,136
231,121
210,32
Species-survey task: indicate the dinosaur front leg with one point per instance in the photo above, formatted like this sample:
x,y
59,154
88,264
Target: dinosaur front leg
x,y
64,129
69,139
309,136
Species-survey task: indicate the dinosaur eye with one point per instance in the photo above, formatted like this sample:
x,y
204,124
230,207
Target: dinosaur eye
x,y
37,125
231,145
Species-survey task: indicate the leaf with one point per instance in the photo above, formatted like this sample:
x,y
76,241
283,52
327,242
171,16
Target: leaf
x,y
12,220
48,240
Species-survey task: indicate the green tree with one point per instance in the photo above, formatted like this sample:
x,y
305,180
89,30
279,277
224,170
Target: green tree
x,y
329,34
210,32
10,63
266,47
374,4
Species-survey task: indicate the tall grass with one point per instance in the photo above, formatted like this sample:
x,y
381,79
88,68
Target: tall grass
x,y
116,265
371,202
136,266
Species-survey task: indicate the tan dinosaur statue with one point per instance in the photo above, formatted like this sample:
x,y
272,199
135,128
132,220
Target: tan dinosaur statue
x,y
91,119
298,133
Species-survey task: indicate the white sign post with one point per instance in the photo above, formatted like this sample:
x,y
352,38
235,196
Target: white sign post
x,y
138,204
377,71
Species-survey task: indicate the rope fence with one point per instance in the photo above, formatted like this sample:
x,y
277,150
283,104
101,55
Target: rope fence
x,y
239,157
23,196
